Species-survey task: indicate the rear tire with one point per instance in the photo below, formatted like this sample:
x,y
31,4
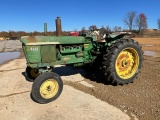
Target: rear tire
x,y
47,87
123,61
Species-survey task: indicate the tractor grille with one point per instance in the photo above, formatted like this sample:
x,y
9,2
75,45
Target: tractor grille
x,y
48,53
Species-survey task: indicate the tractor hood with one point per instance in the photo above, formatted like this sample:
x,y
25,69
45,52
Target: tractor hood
x,y
40,40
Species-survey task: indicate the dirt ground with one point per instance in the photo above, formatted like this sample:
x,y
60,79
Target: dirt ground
x,y
152,44
139,100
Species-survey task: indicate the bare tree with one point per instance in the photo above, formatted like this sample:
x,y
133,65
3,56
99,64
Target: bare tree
x,y
83,29
20,34
117,29
92,27
35,33
141,21
158,23
108,29
129,19
102,30
12,34
4,34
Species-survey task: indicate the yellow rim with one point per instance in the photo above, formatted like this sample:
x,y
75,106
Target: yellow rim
x,y
49,88
33,73
127,63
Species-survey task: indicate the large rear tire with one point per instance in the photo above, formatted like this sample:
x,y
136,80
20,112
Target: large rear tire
x,y
123,61
47,87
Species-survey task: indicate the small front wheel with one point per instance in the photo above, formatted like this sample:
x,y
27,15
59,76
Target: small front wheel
x,y
47,87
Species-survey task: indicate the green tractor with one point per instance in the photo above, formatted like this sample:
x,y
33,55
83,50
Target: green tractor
x,y
119,58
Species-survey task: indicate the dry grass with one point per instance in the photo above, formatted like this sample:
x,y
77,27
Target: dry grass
x,y
149,41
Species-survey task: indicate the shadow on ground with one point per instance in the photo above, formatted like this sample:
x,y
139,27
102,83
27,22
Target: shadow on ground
x,y
25,75
95,75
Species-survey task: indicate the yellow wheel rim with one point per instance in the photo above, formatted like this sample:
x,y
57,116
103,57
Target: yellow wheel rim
x,y
33,73
49,88
127,63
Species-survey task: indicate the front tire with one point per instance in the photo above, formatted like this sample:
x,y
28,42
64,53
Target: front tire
x,y
123,61
47,87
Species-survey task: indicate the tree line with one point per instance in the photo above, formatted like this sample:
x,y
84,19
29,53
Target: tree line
x,y
135,22
18,34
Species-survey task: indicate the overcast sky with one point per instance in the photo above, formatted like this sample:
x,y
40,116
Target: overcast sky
x,y
29,15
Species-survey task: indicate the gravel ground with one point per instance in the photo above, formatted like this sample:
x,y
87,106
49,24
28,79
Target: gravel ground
x,y
141,98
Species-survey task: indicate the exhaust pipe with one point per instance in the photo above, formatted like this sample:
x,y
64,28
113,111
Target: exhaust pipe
x,y
58,26
45,29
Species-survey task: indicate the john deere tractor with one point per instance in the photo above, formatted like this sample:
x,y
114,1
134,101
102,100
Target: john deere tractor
x,y
119,58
